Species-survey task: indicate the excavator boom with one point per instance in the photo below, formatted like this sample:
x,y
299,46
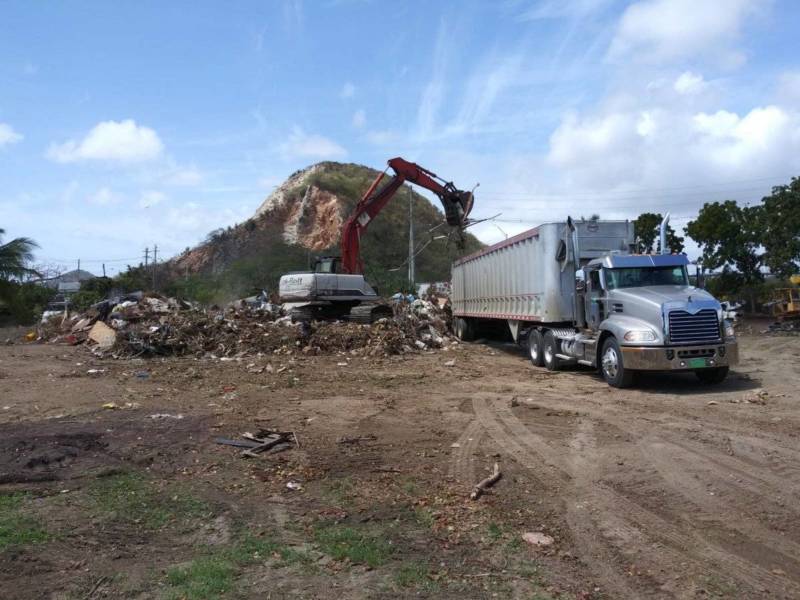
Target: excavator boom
x,y
457,205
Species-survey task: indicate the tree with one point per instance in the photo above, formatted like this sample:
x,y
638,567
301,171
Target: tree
x,y
730,236
780,223
23,299
647,231
15,256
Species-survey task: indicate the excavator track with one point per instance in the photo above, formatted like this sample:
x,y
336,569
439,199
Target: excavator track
x,y
369,313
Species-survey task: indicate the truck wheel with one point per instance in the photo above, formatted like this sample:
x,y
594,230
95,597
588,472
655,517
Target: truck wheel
x,y
535,350
712,376
549,349
612,367
463,329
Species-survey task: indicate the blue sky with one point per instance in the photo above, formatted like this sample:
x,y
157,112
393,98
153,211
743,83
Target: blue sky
x,y
124,125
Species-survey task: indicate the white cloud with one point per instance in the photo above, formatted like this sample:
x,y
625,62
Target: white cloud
x,y
641,146
112,141
689,83
8,135
348,91
359,118
303,145
669,30
103,197
150,198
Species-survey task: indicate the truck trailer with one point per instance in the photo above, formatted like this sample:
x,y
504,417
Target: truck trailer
x,y
575,292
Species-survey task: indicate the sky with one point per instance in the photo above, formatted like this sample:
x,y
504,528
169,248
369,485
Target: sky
x,y
129,125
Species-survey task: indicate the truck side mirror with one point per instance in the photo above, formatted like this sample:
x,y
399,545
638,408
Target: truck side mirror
x,y
580,282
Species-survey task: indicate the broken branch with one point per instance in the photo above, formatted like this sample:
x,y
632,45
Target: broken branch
x,y
479,489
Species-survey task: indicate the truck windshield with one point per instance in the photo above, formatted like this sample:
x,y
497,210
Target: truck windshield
x,y
645,276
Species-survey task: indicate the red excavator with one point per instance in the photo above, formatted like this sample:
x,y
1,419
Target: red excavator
x,y
337,289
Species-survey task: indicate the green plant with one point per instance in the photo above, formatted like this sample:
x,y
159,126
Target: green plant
x,y
16,527
204,578
358,545
132,498
413,574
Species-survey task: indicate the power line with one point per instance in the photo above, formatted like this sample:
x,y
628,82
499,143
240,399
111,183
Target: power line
x,y
610,198
89,260
645,190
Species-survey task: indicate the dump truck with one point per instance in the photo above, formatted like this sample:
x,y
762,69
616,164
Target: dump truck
x,y
574,292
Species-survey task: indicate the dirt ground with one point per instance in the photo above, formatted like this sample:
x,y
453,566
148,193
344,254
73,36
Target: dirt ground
x,y
668,490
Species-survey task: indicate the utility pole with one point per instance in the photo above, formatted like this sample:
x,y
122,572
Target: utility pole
x,y
104,270
155,262
146,256
79,264
411,273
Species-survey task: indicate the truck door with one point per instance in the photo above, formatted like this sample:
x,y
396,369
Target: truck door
x,y
594,302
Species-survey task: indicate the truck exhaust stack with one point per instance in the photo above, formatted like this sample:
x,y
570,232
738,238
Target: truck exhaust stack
x,y
664,223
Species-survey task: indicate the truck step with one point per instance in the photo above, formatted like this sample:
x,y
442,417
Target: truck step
x,y
588,363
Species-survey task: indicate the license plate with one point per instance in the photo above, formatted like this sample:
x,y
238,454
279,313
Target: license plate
x,y
697,363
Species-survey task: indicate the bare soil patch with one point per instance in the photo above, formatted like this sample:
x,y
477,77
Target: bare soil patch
x,y
113,486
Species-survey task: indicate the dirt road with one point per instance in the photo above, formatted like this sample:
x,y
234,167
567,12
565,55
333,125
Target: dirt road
x,y
669,490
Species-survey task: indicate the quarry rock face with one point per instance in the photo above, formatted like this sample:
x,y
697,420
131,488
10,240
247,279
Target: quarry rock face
x,y
304,216
312,220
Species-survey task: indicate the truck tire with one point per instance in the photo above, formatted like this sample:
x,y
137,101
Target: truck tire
x,y
712,376
549,350
463,329
535,347
612,367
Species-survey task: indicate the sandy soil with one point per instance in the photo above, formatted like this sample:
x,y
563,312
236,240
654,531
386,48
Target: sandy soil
x,y
668,490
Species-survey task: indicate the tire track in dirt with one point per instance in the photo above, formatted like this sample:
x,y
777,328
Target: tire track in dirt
x,y
622,515
778,482
773,550
462,465
583,529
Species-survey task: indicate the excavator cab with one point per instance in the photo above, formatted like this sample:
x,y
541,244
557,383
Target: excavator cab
x,y
328,264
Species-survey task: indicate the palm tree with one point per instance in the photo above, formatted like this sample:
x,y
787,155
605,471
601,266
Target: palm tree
x,y
15,256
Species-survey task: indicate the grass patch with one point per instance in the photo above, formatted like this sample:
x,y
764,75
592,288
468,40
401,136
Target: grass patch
x,y
203,578
359,546
252,549
414,574
410,487
424,517
515,544
17,528
130,497
214,574
339,491
495,531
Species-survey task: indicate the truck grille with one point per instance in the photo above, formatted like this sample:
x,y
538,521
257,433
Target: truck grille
x,y
698,328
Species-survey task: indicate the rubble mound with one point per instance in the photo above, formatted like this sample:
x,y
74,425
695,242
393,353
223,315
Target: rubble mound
x,y
144,326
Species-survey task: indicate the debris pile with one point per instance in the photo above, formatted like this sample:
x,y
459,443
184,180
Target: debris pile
x,y
151,325
783,327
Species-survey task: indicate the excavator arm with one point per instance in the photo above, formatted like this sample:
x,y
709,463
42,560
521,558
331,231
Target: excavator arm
x,y
457,205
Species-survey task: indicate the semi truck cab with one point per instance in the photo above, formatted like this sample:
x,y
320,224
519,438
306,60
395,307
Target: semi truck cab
x,y
639,312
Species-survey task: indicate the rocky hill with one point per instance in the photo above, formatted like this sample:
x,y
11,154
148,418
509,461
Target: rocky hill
x,y
303,218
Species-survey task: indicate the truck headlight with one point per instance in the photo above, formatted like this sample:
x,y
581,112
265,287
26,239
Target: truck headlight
x,y
640,335
727,327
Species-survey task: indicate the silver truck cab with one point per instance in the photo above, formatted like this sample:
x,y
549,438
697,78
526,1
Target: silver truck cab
x,y
644,315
